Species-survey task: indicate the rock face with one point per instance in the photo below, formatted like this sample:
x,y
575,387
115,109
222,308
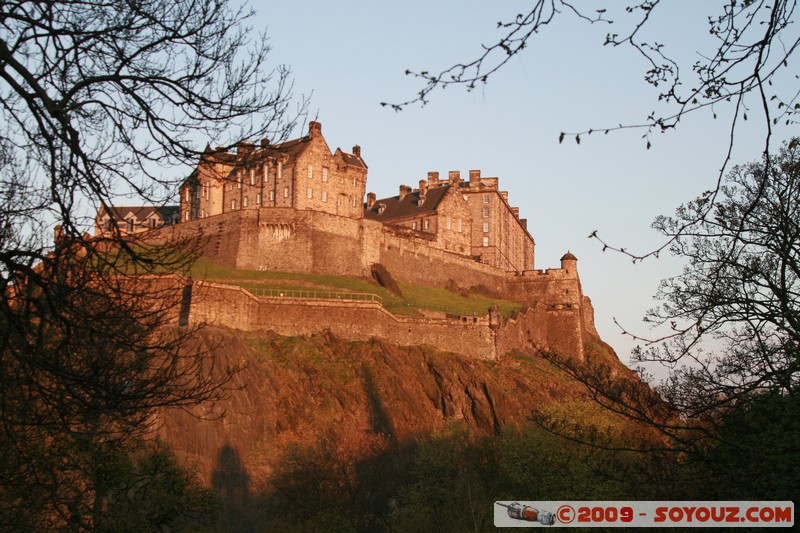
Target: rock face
x,y
298,390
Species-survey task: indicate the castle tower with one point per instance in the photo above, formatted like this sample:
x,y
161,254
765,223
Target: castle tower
x,y
569,263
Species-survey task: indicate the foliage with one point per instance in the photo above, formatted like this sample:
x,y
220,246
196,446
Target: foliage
x,y
97,100
336,483
759,453
87,362
741,287
447,481
721,408
149,491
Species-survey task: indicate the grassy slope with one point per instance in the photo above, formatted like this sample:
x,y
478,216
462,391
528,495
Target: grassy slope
x,y
414,297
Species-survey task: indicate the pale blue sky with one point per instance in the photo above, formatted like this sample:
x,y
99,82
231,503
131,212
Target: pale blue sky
x,y
351,54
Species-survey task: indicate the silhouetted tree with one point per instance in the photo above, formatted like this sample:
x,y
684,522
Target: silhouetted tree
x,y
730,401
98,101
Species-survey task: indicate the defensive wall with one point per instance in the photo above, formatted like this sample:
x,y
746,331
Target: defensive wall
x,y
485,337
284,239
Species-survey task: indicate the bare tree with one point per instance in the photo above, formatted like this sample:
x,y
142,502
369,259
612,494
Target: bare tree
x,y
98,101
753,43
735,399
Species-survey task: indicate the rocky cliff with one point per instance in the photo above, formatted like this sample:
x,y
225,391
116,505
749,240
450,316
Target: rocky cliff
x,y
354,396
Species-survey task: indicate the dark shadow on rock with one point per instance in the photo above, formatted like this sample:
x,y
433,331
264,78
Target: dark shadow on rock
x,y
232,482
379,418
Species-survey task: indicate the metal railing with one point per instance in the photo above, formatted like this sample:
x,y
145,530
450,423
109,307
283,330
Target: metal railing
x,y
359,297
317,295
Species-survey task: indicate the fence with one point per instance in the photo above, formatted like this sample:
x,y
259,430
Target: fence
x,y
320,295
361,297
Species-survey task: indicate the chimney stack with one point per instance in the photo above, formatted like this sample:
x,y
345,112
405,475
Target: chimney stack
x,y
433,179
264,142
474,178
244,148
454,177
314,129
357,151
370,200
404,190
423,187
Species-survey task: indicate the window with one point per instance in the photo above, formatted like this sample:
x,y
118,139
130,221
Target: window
x,y
354,181
324,196
448,222
486,227
186,217
252,176
486,198
271,196
130,225
240,180
258,198
413,225
324,174
353,200
486,241
309,193
310,172
458,225
245,201
426,224
485,212
188,195
265,169
152,223
233,204
286,192
280,170
198,192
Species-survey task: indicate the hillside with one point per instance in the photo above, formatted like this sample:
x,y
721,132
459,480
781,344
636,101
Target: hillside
x,y
341,403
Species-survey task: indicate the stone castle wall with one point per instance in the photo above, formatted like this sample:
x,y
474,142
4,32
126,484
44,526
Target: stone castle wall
x,y
291,240
233,307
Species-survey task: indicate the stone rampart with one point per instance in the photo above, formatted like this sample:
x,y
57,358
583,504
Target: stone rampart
x,y
234,307
285,239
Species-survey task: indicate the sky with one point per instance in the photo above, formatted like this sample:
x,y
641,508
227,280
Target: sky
x,y
350,55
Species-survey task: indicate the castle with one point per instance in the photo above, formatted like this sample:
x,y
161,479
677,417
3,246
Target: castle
x,y
297,206
469,218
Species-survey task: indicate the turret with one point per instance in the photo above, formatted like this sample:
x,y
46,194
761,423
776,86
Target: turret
x,y
569,263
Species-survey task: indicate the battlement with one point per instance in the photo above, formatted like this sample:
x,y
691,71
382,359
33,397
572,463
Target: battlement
x,y
486,337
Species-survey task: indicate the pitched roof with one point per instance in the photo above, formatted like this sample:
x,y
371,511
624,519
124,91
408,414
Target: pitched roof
x,y
141,212
408,206
353,160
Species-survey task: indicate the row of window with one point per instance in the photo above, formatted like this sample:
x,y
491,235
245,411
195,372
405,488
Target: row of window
x,y
246,199
130,224
426,224
324,196
206,188
324,173
251,171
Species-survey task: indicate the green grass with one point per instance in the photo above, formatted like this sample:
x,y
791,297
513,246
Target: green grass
x,y
415,297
